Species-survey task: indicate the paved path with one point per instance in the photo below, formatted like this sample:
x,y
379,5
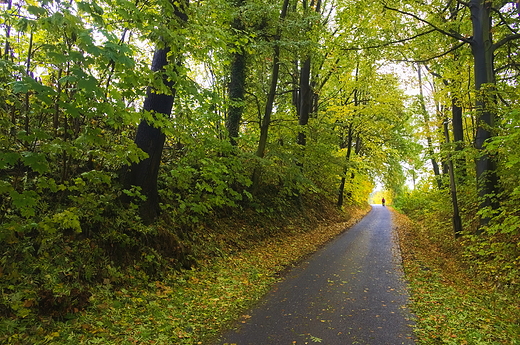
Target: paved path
x,y
349,292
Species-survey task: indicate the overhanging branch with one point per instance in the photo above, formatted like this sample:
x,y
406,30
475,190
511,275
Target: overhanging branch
x,y
504,41
454,35
434,57
391,42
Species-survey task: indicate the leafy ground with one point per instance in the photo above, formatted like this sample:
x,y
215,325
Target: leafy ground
x,y
453,305
185,307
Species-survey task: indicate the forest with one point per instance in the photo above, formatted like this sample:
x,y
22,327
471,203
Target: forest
x,y
162,161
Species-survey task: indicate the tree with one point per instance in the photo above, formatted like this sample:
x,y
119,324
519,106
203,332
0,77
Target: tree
x,y
236,87
266,118
151,140
368,116
426,121
149,137
483,51
305,93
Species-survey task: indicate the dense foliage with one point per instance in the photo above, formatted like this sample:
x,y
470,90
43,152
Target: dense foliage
x,y
73,79
278,106
452,304
452,119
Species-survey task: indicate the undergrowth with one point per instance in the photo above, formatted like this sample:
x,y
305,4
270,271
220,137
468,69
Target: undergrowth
x,y
230,263
453,304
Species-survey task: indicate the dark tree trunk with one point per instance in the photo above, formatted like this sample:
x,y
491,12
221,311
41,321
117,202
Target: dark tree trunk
x,y
456,115
236,96
458,138
7,46
341,190
266,119
305,102
151,140
482,49
456,220
305,98
350,134
458,128
429,141
236,88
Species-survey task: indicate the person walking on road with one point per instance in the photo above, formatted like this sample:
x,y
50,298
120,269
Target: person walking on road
x,y
383,201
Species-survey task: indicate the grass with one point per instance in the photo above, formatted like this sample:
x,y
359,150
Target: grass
x,y
451,304
186,307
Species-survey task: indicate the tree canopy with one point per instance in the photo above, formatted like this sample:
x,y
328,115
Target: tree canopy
x,y
118,117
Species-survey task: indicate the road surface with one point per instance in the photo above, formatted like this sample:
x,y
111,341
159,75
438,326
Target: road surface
x,y
350,292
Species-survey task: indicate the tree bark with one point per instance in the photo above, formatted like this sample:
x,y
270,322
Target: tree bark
x,y
266,119
458,138
429,141
306,94
482,49
7,46
341,190
236,87
151,140
304,99
456,220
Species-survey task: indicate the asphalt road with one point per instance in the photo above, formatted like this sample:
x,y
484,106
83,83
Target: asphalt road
x,y
349,292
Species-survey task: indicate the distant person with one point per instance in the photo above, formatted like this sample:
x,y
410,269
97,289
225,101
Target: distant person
x,y
383,201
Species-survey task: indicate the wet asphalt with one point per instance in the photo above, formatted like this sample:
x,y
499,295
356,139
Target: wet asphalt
x,y
352,291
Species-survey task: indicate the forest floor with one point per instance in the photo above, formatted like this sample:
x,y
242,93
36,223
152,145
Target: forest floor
x,y
453,304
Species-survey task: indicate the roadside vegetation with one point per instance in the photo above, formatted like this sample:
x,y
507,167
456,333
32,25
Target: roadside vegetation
x,y
456,297
180,306
148,149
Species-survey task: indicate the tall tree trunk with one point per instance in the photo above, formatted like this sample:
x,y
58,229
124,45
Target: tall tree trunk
x,y
305,99
341,190
7,46
266,119
429,141
306,94
482,49
457,122
350,134
151,140
458,138
456,220
236,87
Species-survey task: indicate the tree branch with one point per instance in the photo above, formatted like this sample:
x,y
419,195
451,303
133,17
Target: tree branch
x,y
435,74
454,35
504,41
505,2
511,65
501,15
392,42
434,57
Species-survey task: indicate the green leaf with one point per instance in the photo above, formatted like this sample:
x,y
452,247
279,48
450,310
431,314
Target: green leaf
x,y
36,10
8,159
68,219
5,187
36,161
20,87
88,83
57,58
25,202
47,183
